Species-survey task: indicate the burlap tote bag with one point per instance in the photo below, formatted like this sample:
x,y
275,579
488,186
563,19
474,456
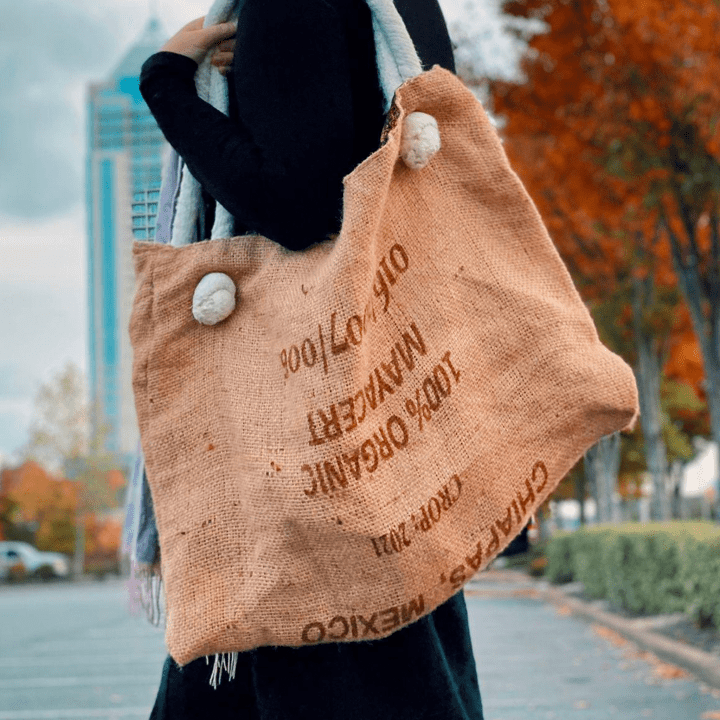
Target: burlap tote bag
x,y
381,413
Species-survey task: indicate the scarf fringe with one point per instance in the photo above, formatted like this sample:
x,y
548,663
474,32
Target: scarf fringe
x,y
224,662
146,591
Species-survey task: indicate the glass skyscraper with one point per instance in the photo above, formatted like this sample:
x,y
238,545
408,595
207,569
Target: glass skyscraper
x,y
124,161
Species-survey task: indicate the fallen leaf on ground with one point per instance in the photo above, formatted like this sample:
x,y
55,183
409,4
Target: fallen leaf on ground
x,y
609,635
563,610
526,592
633,653
711,715
661,669
670,672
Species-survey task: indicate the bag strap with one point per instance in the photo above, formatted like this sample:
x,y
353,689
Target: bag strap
x,y
397,62
397,58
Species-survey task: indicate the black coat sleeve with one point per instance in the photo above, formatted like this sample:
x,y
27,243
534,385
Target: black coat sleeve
x,y
291,70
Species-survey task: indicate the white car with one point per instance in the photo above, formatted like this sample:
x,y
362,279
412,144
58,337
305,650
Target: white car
x,y
4,567
35,563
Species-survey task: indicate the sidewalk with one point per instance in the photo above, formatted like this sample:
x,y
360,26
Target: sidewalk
x,y
539,659
644,632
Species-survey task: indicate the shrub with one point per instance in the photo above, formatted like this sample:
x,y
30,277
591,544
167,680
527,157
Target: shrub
x,y
533,561
644,569
643,573
701,581
589,549
536,567
559,567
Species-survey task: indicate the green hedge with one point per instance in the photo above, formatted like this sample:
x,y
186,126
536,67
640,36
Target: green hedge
x,y
701,581
644,569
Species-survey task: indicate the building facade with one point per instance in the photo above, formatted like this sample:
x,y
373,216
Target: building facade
x,y
124,160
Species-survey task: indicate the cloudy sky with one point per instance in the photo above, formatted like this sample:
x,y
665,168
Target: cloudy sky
x,y
49,51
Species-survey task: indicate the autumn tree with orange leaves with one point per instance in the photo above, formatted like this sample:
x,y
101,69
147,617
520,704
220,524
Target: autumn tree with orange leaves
x,y
62,452
614,131
39,507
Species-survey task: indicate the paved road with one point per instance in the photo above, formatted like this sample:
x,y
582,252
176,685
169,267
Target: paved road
x,y
75,652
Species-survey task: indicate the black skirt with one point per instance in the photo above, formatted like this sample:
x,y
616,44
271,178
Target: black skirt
x,y
426,671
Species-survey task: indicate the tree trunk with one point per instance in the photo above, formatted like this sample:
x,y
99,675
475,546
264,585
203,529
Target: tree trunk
x,y
647,373
591,479
542,520
699,293
675,478
580,482
79,557
601,463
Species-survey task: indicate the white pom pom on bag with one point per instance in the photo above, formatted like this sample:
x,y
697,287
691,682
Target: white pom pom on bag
x,y
381,413
213,299
420,140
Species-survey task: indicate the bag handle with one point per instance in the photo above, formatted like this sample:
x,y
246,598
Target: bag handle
x,y
397,58
397,62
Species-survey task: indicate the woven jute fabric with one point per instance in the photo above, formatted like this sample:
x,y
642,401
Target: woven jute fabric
x,y
381,414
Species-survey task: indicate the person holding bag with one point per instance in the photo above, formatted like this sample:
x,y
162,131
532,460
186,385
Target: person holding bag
x,y
360,389
305,108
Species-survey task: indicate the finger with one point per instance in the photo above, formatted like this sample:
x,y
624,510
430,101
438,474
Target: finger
x,y
227,45
216,33
222,58
195,24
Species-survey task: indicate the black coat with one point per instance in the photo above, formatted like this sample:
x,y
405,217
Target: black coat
x,y
425,671
305,109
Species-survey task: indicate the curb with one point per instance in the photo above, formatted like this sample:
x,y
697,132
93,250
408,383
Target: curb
x,y
703,665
